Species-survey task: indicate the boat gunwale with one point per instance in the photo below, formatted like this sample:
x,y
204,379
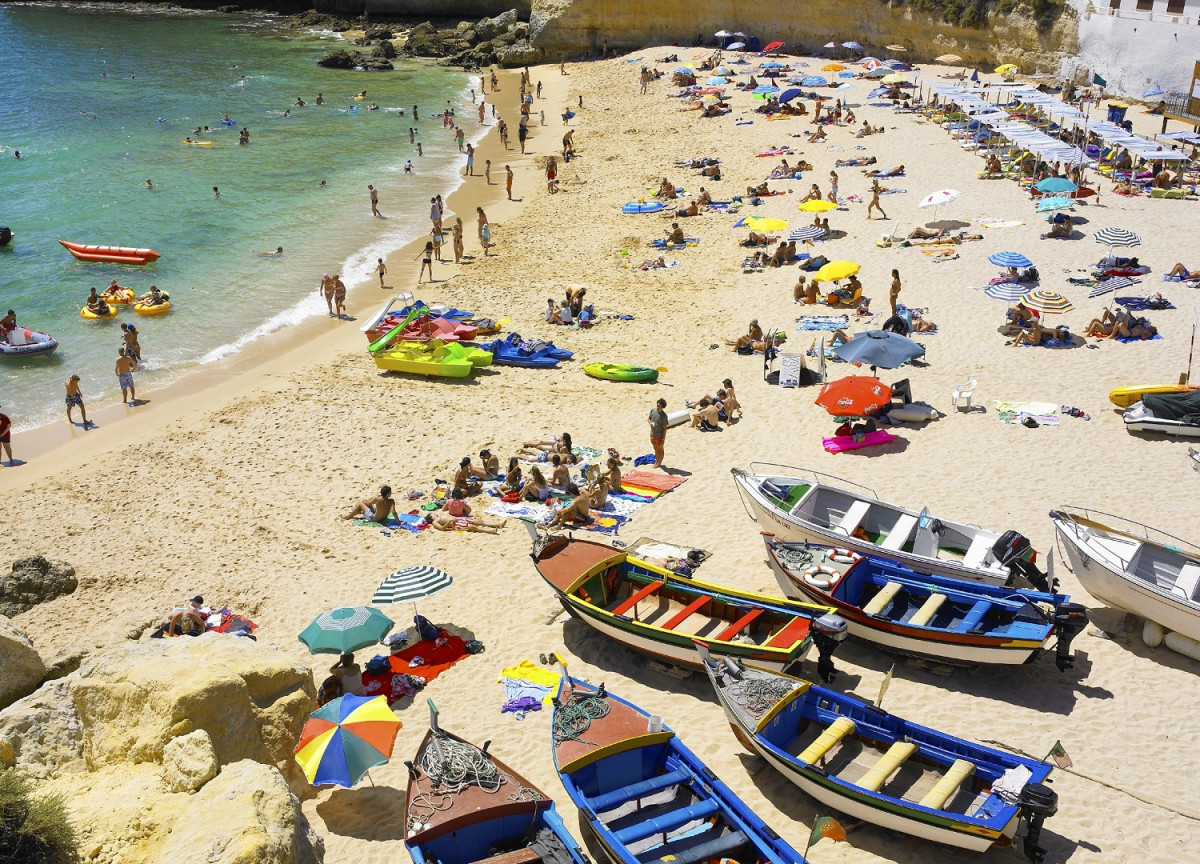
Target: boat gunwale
x,y
1086,516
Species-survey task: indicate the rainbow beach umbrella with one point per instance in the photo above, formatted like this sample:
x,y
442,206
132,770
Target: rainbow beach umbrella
x,y
345,739
1047,301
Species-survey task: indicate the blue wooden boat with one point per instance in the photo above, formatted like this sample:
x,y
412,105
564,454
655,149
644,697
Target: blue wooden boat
x,y
881,769
647,797
950,620
465,805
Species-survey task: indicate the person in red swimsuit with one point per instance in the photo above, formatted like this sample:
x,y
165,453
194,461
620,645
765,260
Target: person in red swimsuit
x,y
5,438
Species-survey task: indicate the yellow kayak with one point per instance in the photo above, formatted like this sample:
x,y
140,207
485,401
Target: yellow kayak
x,y
1123,397
199,143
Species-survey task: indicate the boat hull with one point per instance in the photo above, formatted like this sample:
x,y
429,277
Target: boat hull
x,y
35,343
111,254
1125,397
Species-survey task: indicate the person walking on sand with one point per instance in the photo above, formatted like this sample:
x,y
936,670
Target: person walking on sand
x,y
456,232
6,437
381,271
487,171
75,398
894,292
875,190
482,108
426,256
124,372
339,296
469,171
374,200
522,134
508,178
327,290
658,430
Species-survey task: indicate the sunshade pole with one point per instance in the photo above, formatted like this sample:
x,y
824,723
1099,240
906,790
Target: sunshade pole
x,y
1188,375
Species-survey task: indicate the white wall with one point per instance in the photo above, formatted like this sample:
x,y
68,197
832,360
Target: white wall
x,y
1133,53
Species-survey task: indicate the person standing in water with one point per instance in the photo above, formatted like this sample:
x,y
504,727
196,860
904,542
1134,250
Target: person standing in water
x,y
320,99
381,271
75,399
374,200
339,296
124,371
326,289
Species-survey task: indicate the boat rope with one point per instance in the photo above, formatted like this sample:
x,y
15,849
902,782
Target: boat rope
x,y
758,695
1145,799
794,558
573,718
461,765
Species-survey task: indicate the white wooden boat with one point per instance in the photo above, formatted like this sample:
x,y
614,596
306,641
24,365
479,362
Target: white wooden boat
x,y
1133,567
801,505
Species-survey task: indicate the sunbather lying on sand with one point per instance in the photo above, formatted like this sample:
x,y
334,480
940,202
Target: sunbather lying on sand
x,y
659,263
1037,334
702,162
757,239
443,521
693,209
760,189
540,451
379,509
1134,328
920,231
856,162
898,171
713,171
1179,272
1105,324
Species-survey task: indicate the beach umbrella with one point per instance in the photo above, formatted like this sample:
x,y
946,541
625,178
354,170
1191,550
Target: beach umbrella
x,y
411,583
715,81
813,81
817,206
710,97
878,72
1056,184
346,738
835,270
773,46
735,46
346,629
853,46
879,348
723,70
790,94
894,78
870,63
1044,300
770,65
896,48
938,199
897,66
764,223
831,45
1112,284
1009,292
948,58
723,34
1111,237
1007,67
684,70
1054,203
1009,259
841,88
763,92
832,67
854,396
806,233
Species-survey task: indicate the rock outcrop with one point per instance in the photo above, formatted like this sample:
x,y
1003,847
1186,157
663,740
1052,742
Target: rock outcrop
x,y
355,60
34,580
189,762
44,732
21,668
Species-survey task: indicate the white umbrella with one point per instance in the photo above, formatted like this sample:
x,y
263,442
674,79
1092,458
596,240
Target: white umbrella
x,y
723,34
939,199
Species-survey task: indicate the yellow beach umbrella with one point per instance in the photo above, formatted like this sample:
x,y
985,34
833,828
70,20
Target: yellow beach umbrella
x,y
894,78
817,206
764,223
1007,67
948,58
836,270
833,67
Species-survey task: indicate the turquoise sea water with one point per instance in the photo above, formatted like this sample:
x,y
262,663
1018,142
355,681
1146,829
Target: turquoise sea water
x,y
86,86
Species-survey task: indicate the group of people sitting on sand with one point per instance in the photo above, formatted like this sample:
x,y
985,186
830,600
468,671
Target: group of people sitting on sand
x,y
572,311
1025,325
1120,325
709,411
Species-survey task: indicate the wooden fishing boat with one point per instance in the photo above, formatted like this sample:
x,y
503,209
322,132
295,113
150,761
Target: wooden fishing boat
x,y
1133,567
114,254
652,610
881,769
465,806
647,797
799,505
952,621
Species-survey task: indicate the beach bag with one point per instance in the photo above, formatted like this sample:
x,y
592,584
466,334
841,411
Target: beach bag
x,y
330,689
425,628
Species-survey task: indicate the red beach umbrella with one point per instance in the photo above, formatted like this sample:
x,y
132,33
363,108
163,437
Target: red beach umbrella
x,y
854,396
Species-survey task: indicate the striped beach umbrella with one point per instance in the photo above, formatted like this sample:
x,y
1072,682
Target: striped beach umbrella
x,y
1009,292
346,629
1047,301
1009,259
1111,237
806,233
411,583
813,81
1110,285
346,738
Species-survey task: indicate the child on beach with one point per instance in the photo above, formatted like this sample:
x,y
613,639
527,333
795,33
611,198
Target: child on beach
x,y
75,398
381,271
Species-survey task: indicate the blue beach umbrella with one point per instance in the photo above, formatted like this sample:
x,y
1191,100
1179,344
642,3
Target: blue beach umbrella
x,y
683,70
1056,203
765,90
1009,259
879,348
790,94
1056,184
715,81
845,74
771,65
853,46
842,87
813,81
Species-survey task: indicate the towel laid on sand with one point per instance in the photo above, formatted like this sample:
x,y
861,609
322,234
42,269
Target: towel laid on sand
x,y
823,322
1045,413
1143,304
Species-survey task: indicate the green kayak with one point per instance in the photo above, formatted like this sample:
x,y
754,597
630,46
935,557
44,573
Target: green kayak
x,y
620,372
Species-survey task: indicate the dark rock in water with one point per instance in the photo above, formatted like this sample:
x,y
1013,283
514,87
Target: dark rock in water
x,y
319,20
375,34
337,60
424,40
384,49
355,60
374,64
32,581
227,10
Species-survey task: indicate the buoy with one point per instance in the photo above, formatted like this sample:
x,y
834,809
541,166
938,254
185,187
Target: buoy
x,y
1184,645
1152,633
677,417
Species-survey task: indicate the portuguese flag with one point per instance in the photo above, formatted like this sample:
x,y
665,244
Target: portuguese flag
x,y
827,826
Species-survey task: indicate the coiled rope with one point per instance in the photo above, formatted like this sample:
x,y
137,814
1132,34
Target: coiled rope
x,y
460,767
758,695
793,557
573,718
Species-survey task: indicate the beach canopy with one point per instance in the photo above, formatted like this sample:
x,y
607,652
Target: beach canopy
x,y
879,348
1045,300
411,583
764,223
853,46
1009,292
346,738
948,58
1009,259
1007,67
349,628
817,206
1056,184
1117,237
833,67
773,46
1055,203
813,81
790,94
854,396
835,270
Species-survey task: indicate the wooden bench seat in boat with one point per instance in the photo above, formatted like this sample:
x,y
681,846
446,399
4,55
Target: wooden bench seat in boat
x,y
900,532
927,610
853,517
640,789
739,625
889,763
880,601
944,789
973,617
637,597
524,855
791,633
834,732
974,556
668,821
685,613
712,850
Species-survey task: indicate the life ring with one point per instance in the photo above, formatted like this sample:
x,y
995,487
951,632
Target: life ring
x,y
813,576
845,556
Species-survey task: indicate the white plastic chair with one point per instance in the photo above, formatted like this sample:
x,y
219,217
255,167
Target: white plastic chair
x,y
961,397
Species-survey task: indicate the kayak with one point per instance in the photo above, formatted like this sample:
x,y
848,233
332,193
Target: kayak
x,y
642,207
121,296
447,360
621,372
199,143
88,314
115,254
157,309
23,342
1124,397
513,351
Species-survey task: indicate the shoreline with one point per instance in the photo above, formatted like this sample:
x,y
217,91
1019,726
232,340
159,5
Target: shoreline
x,y
286,349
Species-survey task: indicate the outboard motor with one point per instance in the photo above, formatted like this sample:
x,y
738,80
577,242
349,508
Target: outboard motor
x,y
1069,621
6,235
1010,551
1038,803
828,632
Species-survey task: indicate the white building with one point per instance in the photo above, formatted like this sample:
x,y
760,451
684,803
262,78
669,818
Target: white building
x,y
1136,45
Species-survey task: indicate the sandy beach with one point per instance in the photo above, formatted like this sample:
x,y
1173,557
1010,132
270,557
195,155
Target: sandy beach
x,y
230,483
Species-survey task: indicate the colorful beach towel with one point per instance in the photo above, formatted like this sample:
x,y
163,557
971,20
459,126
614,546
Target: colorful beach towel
x,y
1144,304
1045,413
823,322
651,480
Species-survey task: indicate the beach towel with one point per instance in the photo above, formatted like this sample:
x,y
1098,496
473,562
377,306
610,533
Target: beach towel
x,y
894,192
1045,413
1051,342
1136,339
827,323
435,658
652,480
665,266
1143,304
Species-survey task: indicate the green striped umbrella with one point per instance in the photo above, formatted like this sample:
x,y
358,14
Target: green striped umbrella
x,y
411,583
349,628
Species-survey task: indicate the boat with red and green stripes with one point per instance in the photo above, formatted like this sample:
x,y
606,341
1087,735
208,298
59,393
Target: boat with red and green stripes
x,y
659,613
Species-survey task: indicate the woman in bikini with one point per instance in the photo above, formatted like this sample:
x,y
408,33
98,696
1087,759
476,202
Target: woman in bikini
x,y
535,488
426,256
